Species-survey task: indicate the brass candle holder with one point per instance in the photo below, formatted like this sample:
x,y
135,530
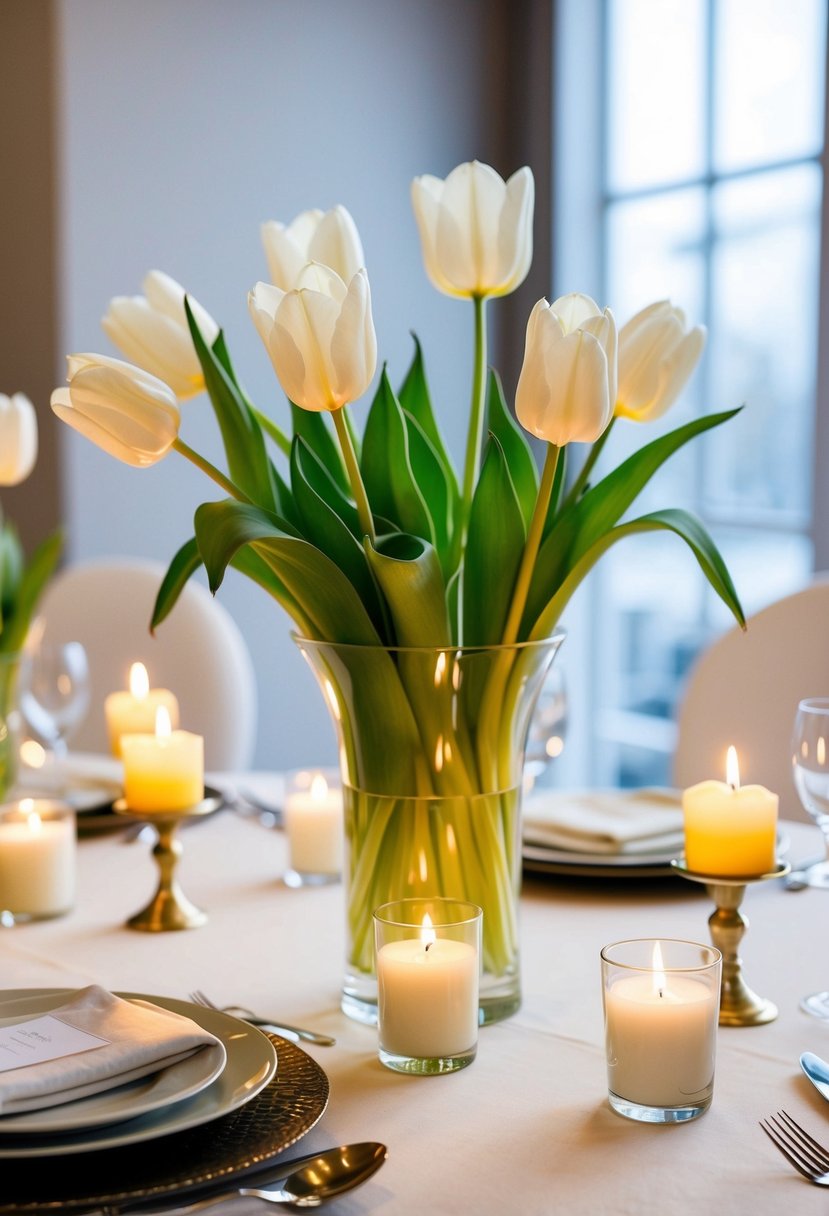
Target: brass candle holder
x,y
739,1006
169,908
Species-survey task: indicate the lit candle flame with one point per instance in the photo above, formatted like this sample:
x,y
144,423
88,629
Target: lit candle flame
x,y
427,933
732,768
163,725
139,681
821,751
319,787
658,970
440,669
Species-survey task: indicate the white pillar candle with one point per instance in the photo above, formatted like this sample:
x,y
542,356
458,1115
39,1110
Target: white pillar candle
x,y
661,1031
134,712
164,771
314,826
37,858
730,830
428,996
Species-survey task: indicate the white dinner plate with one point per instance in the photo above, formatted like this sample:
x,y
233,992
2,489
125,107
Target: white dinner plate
x,y
251,1063
139,1097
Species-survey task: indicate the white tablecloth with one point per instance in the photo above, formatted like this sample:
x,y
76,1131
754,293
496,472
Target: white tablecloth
x,y
526,1129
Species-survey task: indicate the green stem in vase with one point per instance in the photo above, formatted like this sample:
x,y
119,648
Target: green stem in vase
x,y
354,476
476,422
212,472
270,428
575,491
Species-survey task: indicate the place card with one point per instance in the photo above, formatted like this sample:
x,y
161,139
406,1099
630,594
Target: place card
x,y
42,1039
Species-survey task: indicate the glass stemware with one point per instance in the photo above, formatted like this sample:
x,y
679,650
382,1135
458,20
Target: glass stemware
x,y
54,695
810,761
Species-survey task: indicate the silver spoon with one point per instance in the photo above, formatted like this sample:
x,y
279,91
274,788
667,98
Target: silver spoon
x,y
310,1182
817,1071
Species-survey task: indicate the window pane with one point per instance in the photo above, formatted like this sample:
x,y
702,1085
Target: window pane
x,y
655,92
769,67
763,347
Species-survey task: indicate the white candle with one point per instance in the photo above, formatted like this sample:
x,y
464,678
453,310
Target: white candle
x,y
134,712
314,825
37,858
427,996
730,830
164,771
661,1033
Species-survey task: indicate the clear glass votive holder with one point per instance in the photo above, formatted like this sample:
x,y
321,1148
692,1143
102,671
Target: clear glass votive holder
x,y
37,859
428,954
661,1004
314,826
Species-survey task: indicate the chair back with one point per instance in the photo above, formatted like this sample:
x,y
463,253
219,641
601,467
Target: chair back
x,y
198,652
745,688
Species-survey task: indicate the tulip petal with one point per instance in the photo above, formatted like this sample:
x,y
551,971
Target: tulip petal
x,y
515,239
354,344
18,438
574,309
336,243
285,254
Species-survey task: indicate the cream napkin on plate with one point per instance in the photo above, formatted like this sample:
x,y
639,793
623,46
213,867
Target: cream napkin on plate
x,y
141,1039
604,821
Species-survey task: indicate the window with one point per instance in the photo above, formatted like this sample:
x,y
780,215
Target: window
x,y
708,189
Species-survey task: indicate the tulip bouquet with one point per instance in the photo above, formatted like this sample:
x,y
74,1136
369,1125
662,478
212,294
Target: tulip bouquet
x,y
21,583
393,567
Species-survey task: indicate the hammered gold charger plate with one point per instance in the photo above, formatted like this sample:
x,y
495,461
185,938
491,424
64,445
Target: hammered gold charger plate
x,y
184,1163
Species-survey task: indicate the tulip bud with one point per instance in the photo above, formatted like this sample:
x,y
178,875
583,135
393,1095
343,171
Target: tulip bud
x,y
152,331
567,385
123,409
18,438
657,354
475,229
329,237
320,337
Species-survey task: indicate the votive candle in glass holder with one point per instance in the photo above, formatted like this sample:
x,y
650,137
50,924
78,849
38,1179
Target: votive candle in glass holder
x,y
428,955
37,859
314,825
661,1004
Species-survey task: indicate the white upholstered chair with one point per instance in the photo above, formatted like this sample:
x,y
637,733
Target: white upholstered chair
x,y
198,652
745,689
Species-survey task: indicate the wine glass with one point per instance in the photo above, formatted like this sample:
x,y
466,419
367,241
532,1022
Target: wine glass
x,y
810,761
54,695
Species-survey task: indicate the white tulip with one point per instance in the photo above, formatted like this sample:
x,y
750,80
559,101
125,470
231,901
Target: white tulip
x,y
320,336
123,409
18,438
657,354
328,237
152,331
475,229
567,387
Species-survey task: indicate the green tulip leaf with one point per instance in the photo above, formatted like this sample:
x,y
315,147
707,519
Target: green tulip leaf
x,y
453,611
33,580
386,467
513,440
318,477
430,475
184,564
409,574
493,550
683,524
11,569
267,424
314,429
415,398
321,525
247,459
311,588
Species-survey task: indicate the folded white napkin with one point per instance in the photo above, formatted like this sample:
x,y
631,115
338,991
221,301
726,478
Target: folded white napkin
x,y
604,821
140,1039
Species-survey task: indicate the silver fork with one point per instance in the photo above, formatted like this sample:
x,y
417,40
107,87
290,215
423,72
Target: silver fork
x,y
807,1156
294,1032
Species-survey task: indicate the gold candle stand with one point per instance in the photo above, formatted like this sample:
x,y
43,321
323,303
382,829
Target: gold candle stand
x,y
169,908
739,1006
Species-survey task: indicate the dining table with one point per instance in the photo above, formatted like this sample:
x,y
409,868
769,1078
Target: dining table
x,y
527,1127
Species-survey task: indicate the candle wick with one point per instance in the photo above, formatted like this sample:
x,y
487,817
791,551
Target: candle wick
x,y
426,947
660,994
732,787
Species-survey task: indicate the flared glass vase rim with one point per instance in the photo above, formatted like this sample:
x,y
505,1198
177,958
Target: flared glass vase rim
x,y
555,639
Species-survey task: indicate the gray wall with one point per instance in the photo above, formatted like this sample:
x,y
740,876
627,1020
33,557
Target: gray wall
x,y
182,126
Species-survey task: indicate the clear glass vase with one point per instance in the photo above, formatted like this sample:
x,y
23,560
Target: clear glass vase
x,y
431,744
9,721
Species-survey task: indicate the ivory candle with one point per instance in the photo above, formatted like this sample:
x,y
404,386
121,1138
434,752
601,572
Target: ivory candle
x,y
314,825
37,858
661,1031
730,830
164,771
427,996
134,712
